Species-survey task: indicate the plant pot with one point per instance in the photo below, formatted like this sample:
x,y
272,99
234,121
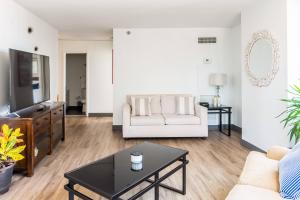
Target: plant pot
x,y
5,178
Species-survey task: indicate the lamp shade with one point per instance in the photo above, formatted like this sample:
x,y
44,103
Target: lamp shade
x,y
218,79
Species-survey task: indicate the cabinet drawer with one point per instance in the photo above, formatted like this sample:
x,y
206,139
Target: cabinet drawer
x,y
42,123
42,146
57,114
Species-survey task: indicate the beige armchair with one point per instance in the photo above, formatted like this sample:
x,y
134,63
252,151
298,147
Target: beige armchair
x,y
259,179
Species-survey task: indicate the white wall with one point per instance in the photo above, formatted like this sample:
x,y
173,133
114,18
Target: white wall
x,y
168,60
293,33
14,21
99,72
75,77
235,84
261,105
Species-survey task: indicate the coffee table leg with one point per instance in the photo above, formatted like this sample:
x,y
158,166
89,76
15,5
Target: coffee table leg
x,y
184,177
156,188
71,194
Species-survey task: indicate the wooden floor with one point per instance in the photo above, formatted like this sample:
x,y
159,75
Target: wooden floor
x,y
215,163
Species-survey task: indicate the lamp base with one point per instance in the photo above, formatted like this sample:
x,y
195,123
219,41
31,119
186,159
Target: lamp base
x,y
217,101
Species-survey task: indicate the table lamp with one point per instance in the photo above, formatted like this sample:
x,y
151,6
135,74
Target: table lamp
x,y
218,80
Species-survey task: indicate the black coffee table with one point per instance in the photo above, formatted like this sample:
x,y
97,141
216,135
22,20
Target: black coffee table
x,y
111,177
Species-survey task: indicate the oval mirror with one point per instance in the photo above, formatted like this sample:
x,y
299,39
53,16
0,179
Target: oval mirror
x,y
262,58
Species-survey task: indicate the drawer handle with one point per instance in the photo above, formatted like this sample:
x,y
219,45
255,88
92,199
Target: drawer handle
x,y
54,113
60,110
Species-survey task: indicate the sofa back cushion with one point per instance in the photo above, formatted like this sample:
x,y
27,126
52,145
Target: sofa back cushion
x,y
168,102
185,105
289,174
154,104
141,106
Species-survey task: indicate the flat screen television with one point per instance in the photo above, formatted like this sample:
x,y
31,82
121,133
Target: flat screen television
x,y
29,79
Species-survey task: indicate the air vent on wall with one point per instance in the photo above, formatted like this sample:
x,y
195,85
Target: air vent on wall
x,y
207,40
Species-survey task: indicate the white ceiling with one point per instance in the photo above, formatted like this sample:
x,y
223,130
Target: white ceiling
x,y
99,17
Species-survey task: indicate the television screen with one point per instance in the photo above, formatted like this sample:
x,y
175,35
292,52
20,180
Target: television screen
x,y
29,79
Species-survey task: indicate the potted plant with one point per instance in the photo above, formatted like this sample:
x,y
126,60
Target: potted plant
x,y
9,155
292,113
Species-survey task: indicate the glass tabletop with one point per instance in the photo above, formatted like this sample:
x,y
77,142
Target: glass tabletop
x,y
113,175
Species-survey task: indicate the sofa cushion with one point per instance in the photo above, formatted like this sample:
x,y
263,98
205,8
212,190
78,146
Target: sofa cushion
x,y
168,104
248,192
155,102
154,119
260,171
141,106
289,174
173,119
185,105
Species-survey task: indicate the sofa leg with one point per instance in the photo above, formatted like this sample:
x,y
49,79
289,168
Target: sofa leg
x,y
203,138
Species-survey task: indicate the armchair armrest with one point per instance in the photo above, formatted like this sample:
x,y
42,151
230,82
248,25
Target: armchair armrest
x,y
201,111
126,114
277,152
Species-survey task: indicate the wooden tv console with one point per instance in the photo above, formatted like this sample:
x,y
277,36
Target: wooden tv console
x,y
42,129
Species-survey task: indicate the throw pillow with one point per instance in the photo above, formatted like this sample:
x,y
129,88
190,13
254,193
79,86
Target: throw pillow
x,y
289,174
141,106
185,105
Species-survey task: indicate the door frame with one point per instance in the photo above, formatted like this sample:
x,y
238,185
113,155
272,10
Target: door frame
x,y
86,79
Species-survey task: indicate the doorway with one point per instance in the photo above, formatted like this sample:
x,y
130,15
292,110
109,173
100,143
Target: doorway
x,y
75,84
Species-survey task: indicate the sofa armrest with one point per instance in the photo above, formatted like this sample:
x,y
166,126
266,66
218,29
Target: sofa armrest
x,y
201,111
277,152
126,114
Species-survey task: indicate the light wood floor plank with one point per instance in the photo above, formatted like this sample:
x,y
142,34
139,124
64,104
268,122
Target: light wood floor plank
x,y
215,163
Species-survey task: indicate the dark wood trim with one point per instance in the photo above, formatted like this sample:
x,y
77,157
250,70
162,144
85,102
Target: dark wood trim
x,y
236,128
214,127
225,126
117,128
100,114
251,146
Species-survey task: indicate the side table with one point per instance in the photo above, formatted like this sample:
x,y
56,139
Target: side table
x,y
222,110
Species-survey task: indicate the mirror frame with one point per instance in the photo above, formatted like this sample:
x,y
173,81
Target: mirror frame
x,y
265,81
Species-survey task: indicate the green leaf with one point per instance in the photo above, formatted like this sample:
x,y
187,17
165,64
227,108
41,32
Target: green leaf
x,y
291,116
19,149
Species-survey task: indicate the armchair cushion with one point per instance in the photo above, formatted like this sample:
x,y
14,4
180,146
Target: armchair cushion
x,y
260,171
173,119
248,192
277,152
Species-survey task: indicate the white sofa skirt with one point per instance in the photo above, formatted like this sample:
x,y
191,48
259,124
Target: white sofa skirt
x,y
165,131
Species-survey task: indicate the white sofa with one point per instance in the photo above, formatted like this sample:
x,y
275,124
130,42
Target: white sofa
x,y
164,122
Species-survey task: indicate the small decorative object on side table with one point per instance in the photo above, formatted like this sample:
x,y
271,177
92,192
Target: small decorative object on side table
x,y
218,80
222,110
